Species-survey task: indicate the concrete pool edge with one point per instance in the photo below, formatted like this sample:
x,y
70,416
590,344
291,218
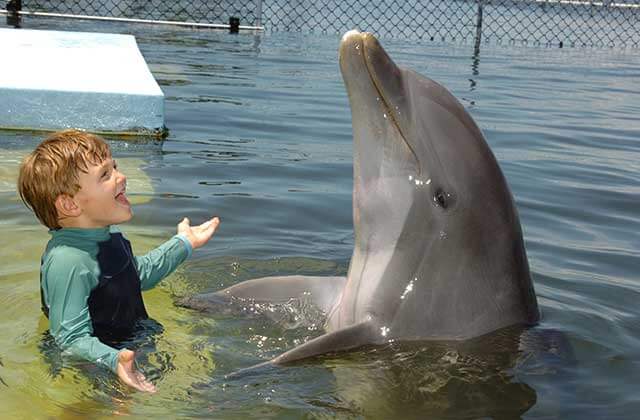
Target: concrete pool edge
x,y
98,82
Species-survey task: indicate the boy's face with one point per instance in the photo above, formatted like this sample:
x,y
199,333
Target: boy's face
x,y
101,197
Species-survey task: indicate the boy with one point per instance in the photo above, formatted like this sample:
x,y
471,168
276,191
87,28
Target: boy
x,y
90,282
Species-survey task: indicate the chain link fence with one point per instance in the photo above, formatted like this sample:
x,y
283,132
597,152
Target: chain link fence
x,y
604,23
543,22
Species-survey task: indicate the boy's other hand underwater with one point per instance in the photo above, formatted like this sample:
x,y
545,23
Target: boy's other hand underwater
x,y
129,375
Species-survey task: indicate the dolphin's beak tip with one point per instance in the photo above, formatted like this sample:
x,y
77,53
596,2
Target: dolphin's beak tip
x,y
349,34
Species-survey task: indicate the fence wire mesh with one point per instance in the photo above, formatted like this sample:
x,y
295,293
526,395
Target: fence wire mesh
x,y
547,22
604,23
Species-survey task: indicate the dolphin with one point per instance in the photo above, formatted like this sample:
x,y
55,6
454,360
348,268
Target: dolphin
x,y
438,248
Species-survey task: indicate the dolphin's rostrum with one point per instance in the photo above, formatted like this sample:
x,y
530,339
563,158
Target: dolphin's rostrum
x,y
438,252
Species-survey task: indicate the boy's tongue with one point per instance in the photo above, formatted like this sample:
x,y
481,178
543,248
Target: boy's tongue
x,y
122,198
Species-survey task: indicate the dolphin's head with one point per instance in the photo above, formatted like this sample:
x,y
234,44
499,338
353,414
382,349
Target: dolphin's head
x,y
431,204
410,130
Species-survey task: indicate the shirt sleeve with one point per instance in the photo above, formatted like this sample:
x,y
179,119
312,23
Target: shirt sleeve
x,y
67,283
162,261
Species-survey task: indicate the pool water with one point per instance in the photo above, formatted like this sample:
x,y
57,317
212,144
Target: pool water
x,y
260,135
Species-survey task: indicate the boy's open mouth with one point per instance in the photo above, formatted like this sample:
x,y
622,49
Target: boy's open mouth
x,y
122,198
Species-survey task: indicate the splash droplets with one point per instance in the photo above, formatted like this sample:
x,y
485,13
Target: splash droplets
x,y
419,182
408,289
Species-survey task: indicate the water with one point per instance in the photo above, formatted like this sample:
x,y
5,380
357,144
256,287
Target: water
x,y
260,134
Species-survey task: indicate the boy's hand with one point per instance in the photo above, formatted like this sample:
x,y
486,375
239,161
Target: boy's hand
x,y
198,235
129,375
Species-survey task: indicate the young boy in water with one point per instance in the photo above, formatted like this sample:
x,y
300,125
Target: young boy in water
x,y
90,282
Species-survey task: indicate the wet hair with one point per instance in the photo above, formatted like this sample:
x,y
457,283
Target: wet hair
x,y
53,169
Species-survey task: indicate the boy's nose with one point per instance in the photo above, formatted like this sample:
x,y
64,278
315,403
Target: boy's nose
x,y
122,178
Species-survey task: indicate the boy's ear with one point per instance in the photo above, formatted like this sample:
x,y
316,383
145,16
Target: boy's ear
x,y
67,206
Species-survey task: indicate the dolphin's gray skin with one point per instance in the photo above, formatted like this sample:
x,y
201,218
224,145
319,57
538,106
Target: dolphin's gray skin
x,y
438,251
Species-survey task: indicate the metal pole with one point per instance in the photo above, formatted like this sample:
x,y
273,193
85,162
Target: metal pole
x,y
130,20
476,48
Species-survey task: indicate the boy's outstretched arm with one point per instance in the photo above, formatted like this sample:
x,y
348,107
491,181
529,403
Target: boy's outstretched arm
x,y
160,262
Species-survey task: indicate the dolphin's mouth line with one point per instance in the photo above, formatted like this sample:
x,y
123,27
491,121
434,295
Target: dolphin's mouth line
x,y
385,103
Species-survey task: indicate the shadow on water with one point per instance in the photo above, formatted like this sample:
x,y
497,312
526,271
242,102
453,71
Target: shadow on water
x,y
2,380
452,380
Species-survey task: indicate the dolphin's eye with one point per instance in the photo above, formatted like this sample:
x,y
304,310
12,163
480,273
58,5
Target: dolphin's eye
x,y
441,198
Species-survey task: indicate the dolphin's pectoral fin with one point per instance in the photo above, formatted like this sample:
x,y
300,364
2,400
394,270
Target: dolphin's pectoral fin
x,y
321,291
338,341
347,338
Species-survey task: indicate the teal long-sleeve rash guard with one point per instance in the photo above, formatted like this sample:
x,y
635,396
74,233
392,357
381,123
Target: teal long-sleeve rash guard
x,y
72,269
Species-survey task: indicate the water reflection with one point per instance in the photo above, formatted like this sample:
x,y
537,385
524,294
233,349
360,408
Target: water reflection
x,y
475,70
489,376
206,98
468,380
484,377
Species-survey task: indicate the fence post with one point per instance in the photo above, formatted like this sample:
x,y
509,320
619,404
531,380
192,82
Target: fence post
x,y
234,25
476,47
258,13
13,8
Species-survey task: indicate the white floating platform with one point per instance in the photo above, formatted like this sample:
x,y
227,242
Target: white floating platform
x,y
50,80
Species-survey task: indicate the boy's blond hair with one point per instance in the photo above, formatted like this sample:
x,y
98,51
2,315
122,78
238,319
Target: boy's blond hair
x,y
53,169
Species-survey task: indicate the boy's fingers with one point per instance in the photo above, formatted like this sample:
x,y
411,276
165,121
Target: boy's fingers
x,y
213,223
149,387
183,226
141,383
145,385
131,380
210,224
